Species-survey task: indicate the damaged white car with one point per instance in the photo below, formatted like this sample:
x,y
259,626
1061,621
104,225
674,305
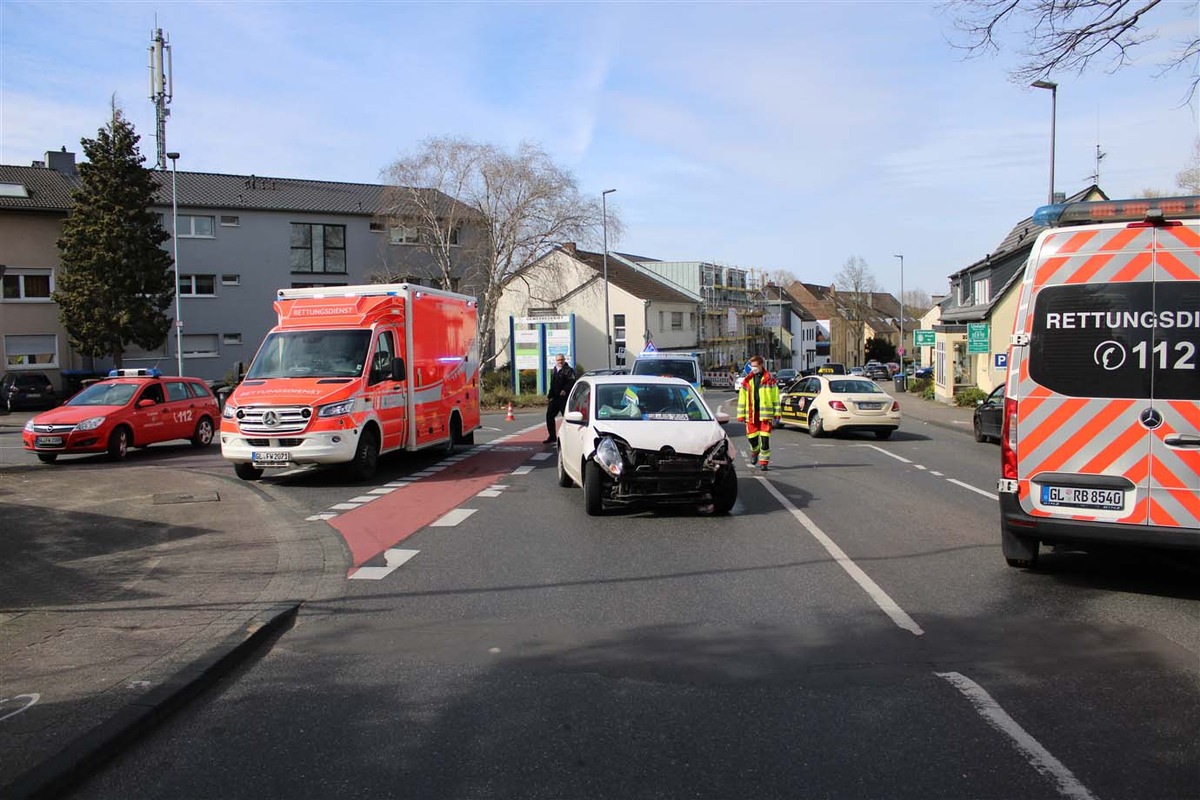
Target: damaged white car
x,y
645,439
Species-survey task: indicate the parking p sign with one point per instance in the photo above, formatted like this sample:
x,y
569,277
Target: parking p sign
x,y
1001,360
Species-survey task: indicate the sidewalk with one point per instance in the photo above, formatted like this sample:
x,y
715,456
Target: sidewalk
x,y
915,410
123,597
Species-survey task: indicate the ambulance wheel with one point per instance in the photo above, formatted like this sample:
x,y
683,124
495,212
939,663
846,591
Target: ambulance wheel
x,y
815,428
724,491
564,480
247,472
47,458
204,433
366,456
118,443
1021,552
593,489
456,436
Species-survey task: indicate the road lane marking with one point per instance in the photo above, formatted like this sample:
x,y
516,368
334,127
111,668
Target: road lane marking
x,y
522,470
452,518
973,489
1041,759
394,558
541,456
887,453
881,598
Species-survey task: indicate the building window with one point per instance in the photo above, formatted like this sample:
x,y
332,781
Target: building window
x,y
405,234
191,226
231,280
318,248
31,350
691,320
980,291
310,285
618,322
199,345
30,285
198,285
230,220
676,320
964,294
231,338
377,227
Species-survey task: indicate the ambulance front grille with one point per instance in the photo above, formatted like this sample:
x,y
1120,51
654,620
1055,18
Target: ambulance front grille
x,y
273,420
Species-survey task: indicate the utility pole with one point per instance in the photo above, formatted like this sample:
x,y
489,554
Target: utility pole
x,y
161,84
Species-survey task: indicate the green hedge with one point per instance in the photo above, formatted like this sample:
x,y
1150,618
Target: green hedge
x,y
968,398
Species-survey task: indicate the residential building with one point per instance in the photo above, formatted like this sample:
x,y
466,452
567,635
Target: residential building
x,y
240,238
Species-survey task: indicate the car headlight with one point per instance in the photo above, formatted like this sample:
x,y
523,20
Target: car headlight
x,y
608,456
29,426
717,455
90,424
336,409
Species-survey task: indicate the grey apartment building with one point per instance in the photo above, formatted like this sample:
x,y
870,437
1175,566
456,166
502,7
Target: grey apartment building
x,y
239,239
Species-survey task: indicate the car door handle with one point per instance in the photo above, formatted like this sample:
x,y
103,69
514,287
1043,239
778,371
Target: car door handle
x,y
1182,440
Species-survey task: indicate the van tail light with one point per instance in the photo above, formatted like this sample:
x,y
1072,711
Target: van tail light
x,y
1008,440
837,405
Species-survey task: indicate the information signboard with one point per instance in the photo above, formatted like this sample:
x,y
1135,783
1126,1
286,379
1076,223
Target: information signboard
x,y
924,338
979,339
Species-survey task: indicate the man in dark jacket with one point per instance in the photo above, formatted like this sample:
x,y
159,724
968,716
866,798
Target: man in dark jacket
x,y
561,381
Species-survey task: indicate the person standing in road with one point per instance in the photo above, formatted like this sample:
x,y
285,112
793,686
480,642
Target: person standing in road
x,y
758,407
561,381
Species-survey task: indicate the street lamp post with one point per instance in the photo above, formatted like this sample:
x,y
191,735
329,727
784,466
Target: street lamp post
x,y
608,345
1053,87
902,372
175,243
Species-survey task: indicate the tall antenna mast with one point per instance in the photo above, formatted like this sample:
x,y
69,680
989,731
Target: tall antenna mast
x,y
161,89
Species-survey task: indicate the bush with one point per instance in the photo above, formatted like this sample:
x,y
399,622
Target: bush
x,y
496,390
968,398
928,392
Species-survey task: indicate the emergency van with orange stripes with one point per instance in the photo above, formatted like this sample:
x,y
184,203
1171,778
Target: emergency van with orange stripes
x,y
352,372
1101,435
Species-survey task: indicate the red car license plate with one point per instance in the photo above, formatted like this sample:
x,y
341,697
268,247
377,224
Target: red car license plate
x,y
48,441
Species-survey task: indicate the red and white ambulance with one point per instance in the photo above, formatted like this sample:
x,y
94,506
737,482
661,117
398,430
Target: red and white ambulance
x,y
351,372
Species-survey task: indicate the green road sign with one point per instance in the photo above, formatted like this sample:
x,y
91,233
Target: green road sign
x,y
978,337
924,338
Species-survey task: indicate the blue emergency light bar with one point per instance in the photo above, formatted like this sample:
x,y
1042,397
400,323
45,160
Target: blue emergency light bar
x,y
1142,209
140,372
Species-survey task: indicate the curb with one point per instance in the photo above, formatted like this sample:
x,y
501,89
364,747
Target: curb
x,y
84,755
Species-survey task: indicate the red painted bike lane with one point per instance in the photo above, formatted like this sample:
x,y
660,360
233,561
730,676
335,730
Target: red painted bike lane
x,y
372,528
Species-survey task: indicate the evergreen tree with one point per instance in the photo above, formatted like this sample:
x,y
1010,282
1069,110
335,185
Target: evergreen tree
x,y
116,280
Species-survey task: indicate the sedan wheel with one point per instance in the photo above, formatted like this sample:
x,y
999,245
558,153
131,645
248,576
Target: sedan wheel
x,y
593,489
724,491
564,480
47,458
979,434
118,444
815,426
204,433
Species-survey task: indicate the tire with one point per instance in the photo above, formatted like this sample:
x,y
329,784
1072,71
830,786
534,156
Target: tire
x,y
203,435
979,434
881,435
1021,552
456,436
593,489
366,456
118,443
47,458
725,491
816,428
247,472
564,480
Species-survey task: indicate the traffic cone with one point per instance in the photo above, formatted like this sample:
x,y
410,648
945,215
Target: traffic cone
x,y
509,417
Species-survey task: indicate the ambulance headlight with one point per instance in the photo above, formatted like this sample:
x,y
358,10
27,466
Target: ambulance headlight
x,y
228,410
336,409
90,424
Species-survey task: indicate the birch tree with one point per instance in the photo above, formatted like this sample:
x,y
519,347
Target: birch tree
x,y
855,283
508,210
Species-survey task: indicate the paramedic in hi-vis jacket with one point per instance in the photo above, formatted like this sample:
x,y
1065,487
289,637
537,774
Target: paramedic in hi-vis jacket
x,y
758,407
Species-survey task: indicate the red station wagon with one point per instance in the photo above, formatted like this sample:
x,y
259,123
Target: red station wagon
x,y
130,408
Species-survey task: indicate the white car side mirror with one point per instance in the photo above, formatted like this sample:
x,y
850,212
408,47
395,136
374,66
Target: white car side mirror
x,y
574,417
722,418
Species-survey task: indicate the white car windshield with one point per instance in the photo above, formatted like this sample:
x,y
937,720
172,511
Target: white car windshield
x,y
854,387
648,401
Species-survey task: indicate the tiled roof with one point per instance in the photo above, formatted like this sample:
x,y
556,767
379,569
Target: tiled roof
x,y
51,190
636,282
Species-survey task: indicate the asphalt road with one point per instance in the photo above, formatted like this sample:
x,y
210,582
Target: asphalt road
x,y
850,630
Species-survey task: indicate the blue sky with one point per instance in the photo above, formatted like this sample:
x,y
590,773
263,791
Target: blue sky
x,y
786,135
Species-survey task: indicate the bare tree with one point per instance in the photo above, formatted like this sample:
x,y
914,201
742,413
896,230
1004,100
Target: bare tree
x,y
1068,35
855,284
1189,179
917,301
507,211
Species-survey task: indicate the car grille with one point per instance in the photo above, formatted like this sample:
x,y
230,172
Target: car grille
x,y
59,429
272,420
277,442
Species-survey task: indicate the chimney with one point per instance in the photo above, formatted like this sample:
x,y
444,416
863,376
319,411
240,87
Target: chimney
x,y
569,247
61,162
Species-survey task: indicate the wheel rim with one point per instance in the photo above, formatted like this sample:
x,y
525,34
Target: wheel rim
x,y
122,443
205,432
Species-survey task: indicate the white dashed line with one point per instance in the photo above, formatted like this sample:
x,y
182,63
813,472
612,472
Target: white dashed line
x,y
383,490
394,559
363,498
881,598
452,518
540,456
344,506
973,489
522,471
887,453
489,493
1041,759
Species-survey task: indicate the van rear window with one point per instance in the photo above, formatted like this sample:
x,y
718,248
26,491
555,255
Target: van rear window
x,y
1134,340
670,367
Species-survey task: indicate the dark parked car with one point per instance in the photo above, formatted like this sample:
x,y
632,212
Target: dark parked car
x,y
989,416
877,372
785,376
27,390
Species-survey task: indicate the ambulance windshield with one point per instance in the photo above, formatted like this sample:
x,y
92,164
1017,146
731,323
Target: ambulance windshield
x,y
311,354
